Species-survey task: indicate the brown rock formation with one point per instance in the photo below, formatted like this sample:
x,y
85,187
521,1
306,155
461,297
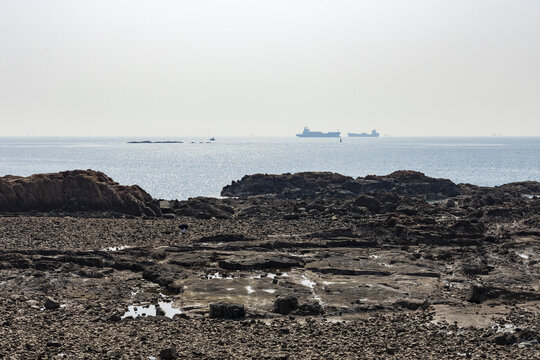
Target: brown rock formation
x,y
73,191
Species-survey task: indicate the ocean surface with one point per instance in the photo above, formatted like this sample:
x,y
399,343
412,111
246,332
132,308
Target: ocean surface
x,y
198,167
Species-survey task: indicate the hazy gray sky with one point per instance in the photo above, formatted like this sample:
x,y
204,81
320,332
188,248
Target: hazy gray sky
x,y
269,67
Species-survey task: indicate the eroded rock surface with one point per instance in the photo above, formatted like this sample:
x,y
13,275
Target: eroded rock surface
x,y
73,191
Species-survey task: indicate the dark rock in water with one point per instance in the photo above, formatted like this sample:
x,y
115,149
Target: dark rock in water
x,y
168,354
74,191
227,311
285,305
159,311
50,304
327,184
311,308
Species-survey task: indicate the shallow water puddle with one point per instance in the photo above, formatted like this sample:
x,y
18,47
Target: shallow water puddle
x,y
150,310
269,275
311,284
169,310
218,275
117,248
307,282
507,328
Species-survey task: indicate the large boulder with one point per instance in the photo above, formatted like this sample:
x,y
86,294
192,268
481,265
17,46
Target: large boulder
x,y
74,191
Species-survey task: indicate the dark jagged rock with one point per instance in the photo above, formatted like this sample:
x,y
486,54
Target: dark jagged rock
x,y
285,305
227,311
327,184
311,308
73,191
51,304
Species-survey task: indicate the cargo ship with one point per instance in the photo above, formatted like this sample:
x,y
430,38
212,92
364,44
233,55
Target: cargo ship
x,y
374,133
308,133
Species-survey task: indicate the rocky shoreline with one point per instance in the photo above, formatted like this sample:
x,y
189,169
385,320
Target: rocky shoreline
x,y
292,266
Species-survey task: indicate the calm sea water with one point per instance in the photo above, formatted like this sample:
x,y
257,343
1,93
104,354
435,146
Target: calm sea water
x,y
179,171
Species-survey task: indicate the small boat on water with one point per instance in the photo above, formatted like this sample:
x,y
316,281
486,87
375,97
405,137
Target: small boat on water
x,y
212,139
308,133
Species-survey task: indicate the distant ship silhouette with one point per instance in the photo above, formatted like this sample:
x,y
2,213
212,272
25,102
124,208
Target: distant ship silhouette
x,y
308,133
374,133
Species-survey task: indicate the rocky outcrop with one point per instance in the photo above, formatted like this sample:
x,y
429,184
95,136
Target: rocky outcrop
x,y
327,184
74,191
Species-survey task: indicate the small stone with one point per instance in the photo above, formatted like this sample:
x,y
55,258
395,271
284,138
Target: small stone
x,y
159,311
114,317
53,343
51,304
